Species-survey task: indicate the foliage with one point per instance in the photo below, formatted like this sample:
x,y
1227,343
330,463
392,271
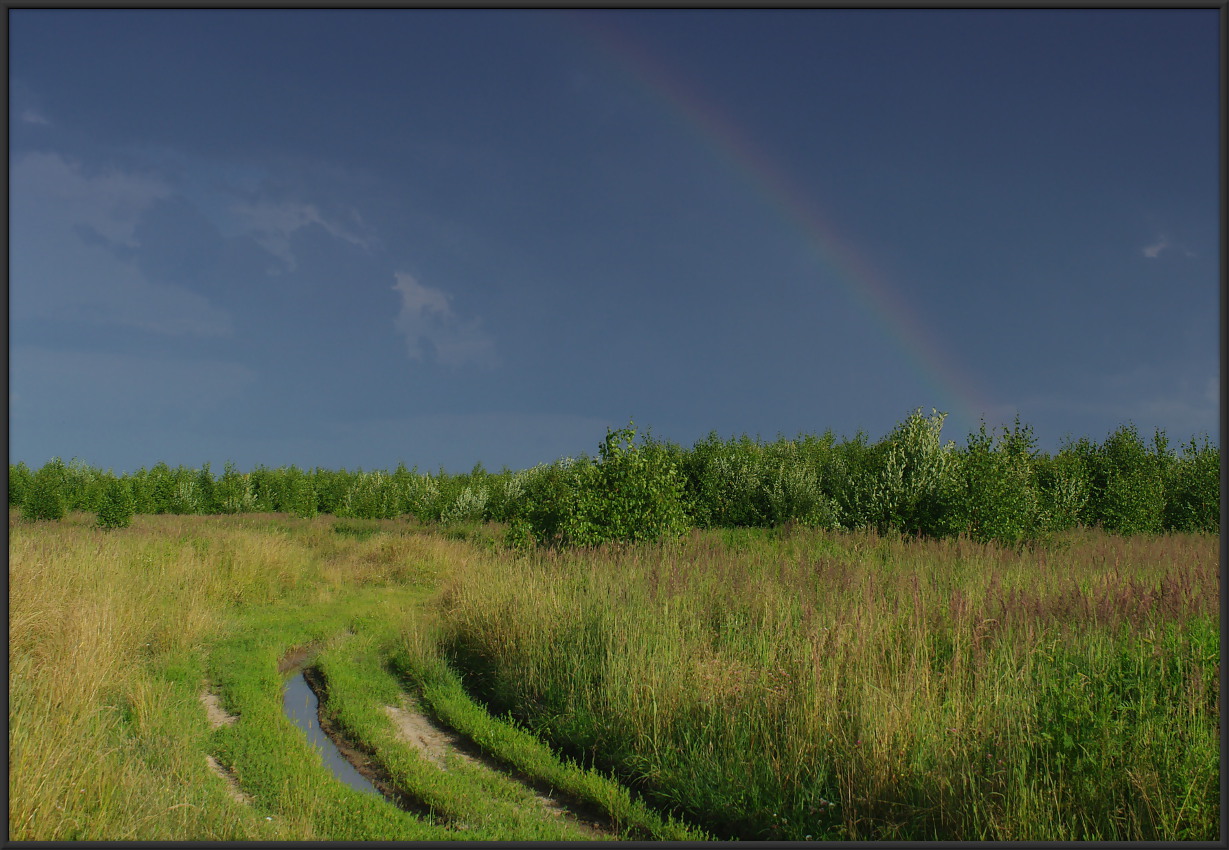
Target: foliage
x,y
916,484
20,477
45,498
234,492
117,505
1128,483
997,496
1192,490
630,493
1062,489
997,487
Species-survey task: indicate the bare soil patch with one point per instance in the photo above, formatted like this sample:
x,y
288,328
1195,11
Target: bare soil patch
x,y
218,716
232,785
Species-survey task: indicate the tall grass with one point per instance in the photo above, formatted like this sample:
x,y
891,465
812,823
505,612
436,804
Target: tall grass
x,y
847,685
108,632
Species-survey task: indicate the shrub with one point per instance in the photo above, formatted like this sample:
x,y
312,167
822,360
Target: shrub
x,y
630,493
370,496
1129,491
19,483
117,505
546,491
1062,490
996,498
853,470
1192,498
45,498
914,488
206,491
301,497
234,492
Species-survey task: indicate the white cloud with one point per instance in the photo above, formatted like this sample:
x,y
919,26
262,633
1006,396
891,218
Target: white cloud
x,y
1164,243
273,224
71,242
1153,251
33,116
426,319
108,203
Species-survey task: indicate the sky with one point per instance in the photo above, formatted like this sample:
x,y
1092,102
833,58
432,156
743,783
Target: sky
x,y
348,239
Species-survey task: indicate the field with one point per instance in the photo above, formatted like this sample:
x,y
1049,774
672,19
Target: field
x,y
791,683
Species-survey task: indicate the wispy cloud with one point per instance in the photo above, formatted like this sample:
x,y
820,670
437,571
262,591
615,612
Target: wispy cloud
x,y
1154,250
274,223
108,202
72,247
33,116
427,321
1164,243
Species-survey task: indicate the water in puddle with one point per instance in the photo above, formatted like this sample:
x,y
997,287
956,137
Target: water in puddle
x,y
301,705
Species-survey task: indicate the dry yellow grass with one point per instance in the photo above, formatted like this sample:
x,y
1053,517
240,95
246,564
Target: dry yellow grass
x,y
102,744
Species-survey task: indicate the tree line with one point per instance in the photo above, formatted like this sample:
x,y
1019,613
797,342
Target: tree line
x,y
997,486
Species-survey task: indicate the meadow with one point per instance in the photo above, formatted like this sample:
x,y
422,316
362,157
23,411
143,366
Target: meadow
x,y
799,640
735,684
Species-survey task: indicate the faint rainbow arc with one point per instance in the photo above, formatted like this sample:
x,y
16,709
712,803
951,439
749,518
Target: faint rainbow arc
x,y
851,268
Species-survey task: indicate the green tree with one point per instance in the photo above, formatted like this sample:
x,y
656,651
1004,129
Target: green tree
x,y
300,494
914,488
1192,490
46,498
996,496
631,493
20,477
1129,484
1063,490
233,492
206,491
117,506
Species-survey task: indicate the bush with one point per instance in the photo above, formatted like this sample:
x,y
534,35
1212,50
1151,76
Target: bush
x,y
233,492
1128,484
117,505
19,484
996,498
300,498
45,498
914,490
1192,497
631,493
853,469
1062,490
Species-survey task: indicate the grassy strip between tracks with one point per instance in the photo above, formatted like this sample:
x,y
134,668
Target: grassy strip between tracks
x,y
113,636
276,766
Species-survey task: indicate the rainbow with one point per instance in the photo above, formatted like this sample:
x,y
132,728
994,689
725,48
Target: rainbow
x,y
937,370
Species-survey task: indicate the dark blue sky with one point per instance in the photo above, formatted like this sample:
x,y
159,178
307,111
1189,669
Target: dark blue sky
x,y
352,238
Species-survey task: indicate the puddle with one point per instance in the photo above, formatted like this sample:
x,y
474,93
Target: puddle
x,y
302,707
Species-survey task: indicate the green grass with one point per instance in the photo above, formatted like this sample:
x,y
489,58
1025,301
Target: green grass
x,y
754,683
114,636
848,686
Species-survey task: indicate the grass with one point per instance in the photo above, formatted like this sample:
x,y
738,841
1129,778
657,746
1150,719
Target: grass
x,y
114,635
848,686
753,684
